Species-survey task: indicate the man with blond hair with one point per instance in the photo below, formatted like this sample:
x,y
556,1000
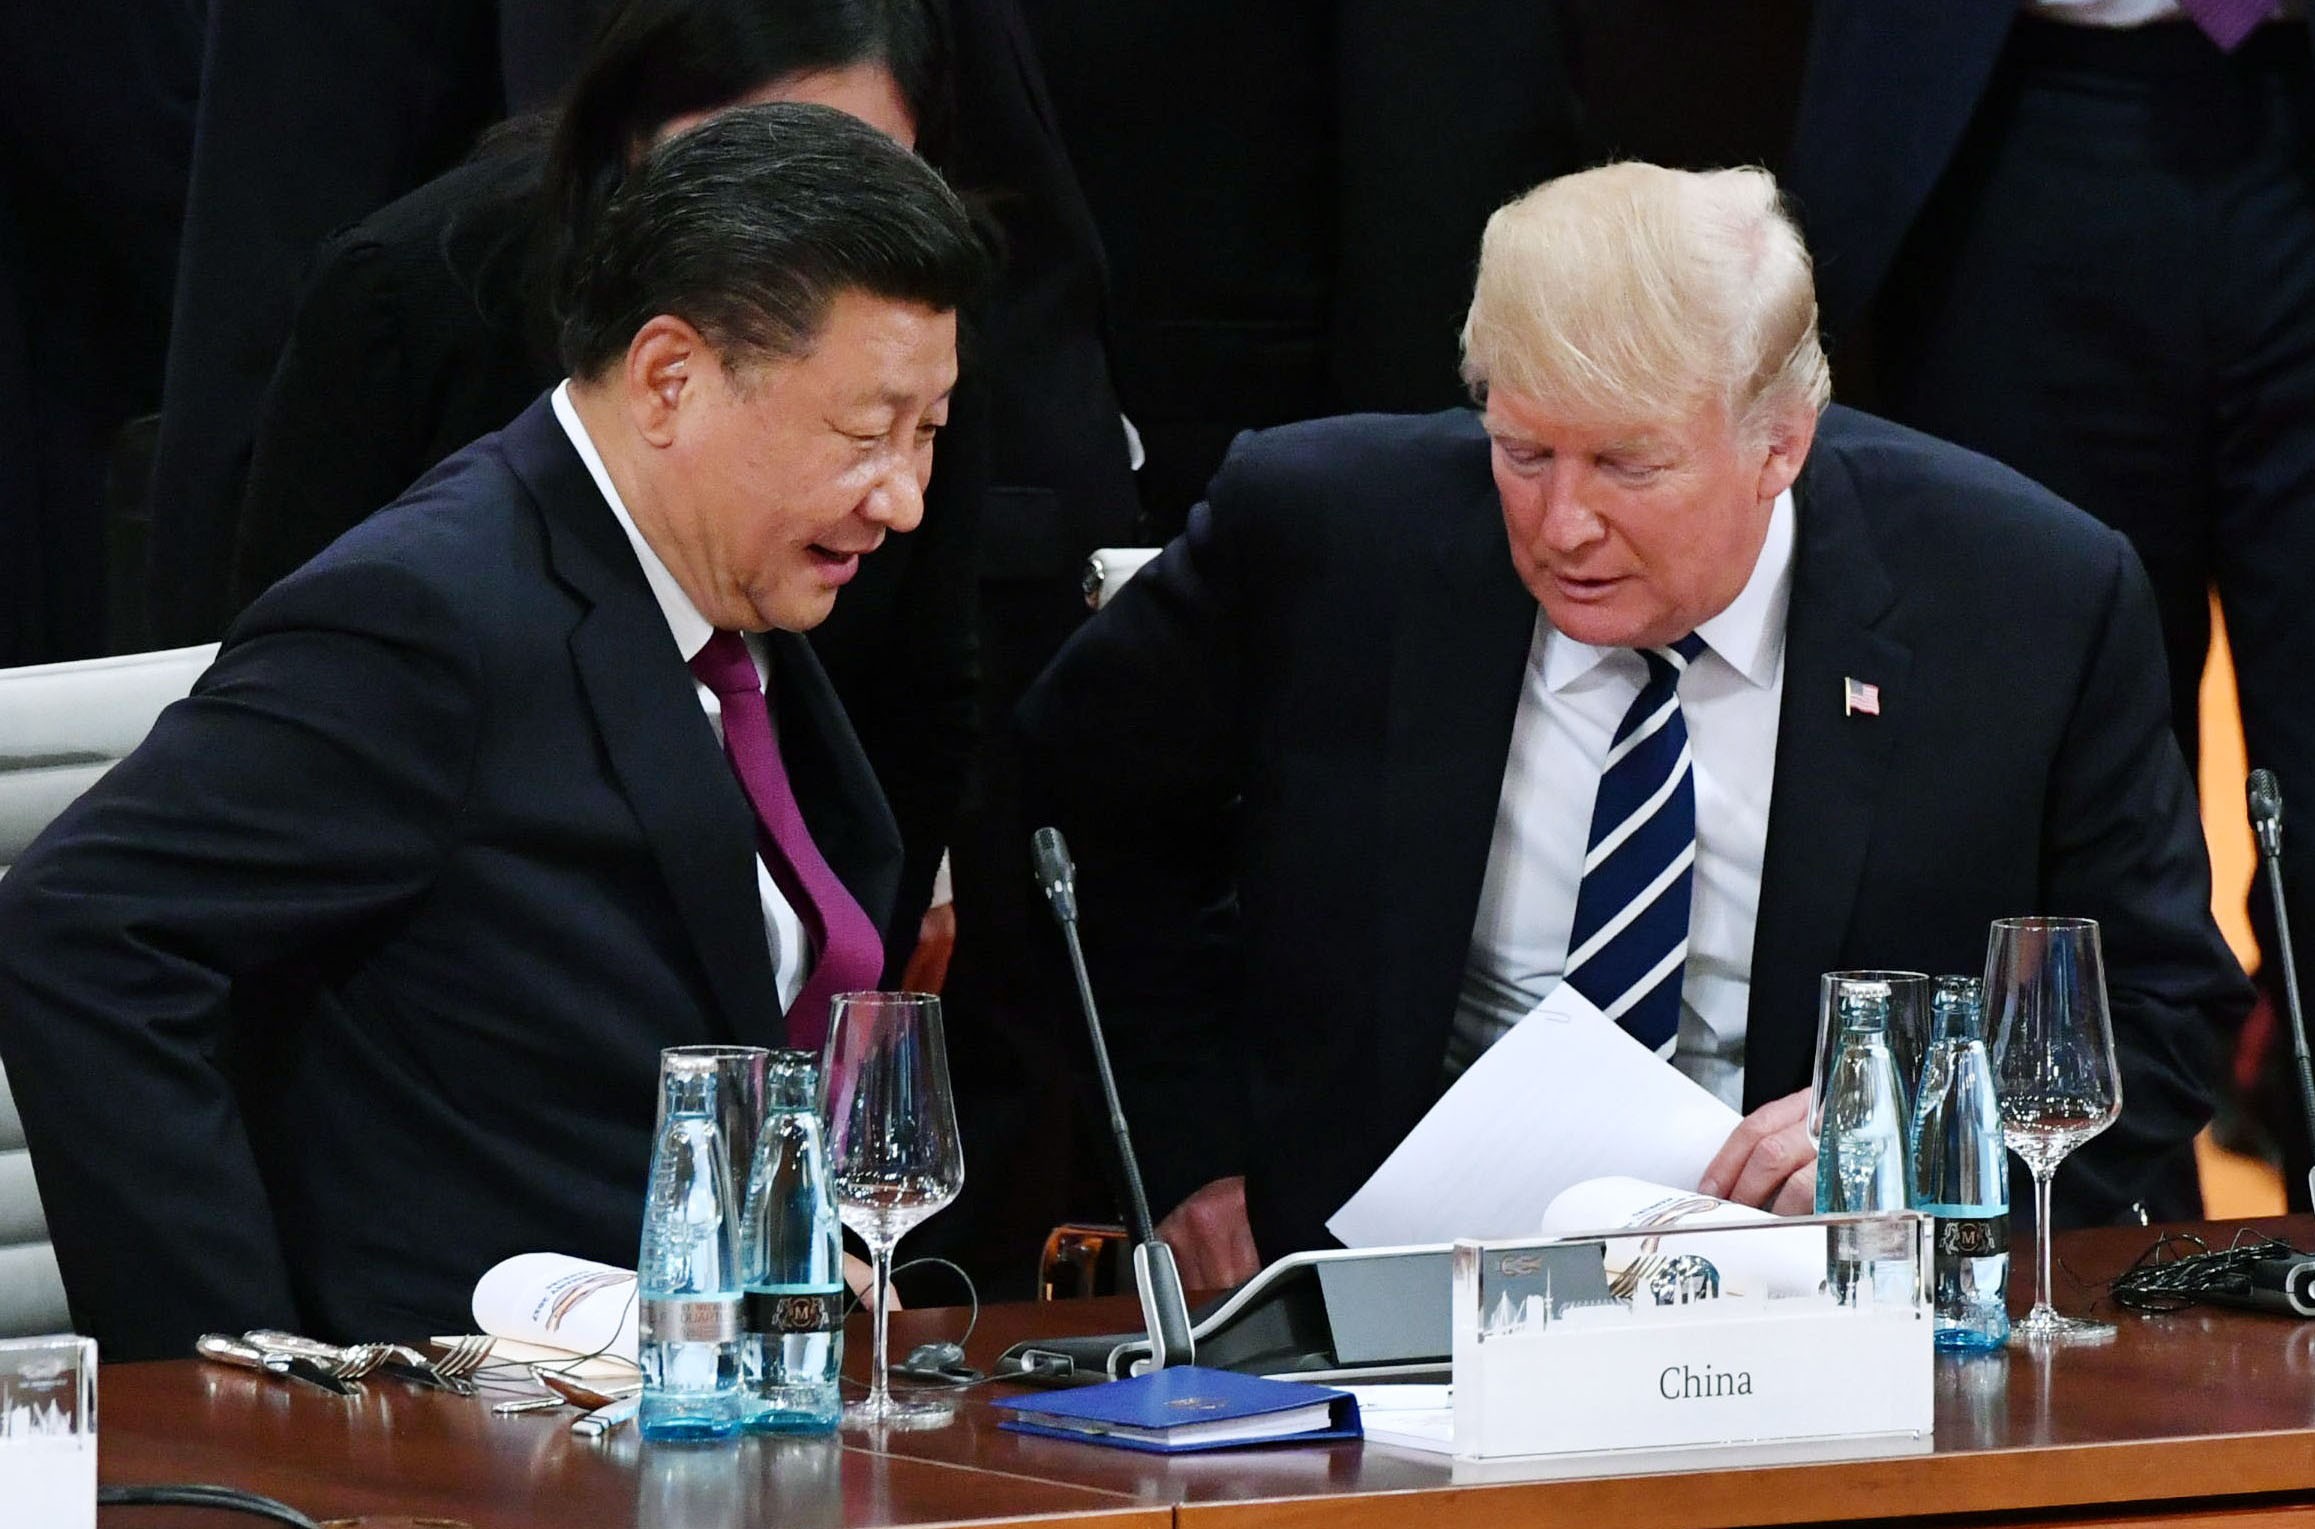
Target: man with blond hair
x,y
1654,676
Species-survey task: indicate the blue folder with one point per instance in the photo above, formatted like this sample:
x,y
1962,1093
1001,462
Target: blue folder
x,y
1149,1412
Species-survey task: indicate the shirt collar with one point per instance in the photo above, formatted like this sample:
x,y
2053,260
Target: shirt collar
x,y
1748,636
691,629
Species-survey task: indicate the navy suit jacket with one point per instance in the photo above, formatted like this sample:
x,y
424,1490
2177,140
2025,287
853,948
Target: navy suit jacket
x,y
353,979
1889,89
1278,756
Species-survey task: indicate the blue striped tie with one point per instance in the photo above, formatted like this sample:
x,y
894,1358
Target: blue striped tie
x,y
1629,944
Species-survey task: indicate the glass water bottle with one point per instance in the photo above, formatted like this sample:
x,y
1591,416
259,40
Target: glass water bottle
x,y
1961,1171
792,1258
688,1270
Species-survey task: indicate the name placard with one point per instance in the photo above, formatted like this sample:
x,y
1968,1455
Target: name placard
x,y
1669,1360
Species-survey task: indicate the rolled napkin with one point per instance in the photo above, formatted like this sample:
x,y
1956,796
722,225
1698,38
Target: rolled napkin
x,y
1773,1263
559,1306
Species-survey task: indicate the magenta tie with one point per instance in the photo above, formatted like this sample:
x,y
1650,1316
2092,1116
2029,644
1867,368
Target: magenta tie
x,y
2228,22
850,956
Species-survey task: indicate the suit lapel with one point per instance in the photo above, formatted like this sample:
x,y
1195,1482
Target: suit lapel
x,y
1464,629
662,750
1830,767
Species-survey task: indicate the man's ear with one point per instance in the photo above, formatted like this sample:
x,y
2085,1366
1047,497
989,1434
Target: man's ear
x,y
666,370
1790,435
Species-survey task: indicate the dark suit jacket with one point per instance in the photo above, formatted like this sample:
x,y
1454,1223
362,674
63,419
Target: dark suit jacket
x,y
1888,91
419,333
1337,645
353,979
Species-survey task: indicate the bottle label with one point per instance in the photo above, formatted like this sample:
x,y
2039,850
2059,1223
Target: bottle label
x,y
691,1319
784,1312
1973,1236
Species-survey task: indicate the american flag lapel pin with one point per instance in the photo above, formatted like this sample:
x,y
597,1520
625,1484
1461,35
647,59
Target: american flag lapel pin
x,y
1860,699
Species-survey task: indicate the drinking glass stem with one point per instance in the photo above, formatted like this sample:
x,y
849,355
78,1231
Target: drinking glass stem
x,y
2042,1177
880,1252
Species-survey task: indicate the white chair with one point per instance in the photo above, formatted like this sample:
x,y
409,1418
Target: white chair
x,y
61,726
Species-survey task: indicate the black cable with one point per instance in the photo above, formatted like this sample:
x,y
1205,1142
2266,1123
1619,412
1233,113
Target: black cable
x,y
2181,1270
220,1499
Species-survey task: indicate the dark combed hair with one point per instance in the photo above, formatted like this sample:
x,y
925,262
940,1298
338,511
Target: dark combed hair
x,y
748,226
652,61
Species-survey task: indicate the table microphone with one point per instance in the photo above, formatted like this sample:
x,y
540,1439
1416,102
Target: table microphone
x,y
2266,803
1163,1311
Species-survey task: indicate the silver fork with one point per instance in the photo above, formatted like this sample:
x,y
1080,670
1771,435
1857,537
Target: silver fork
x,y
464,1357
455,1365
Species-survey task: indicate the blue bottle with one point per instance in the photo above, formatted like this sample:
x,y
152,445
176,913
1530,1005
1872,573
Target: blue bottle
x,y
688,1269
792,1257
1961,1172
1861,1144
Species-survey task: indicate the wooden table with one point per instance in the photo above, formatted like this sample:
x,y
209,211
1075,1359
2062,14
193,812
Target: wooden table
x,y
2205,1418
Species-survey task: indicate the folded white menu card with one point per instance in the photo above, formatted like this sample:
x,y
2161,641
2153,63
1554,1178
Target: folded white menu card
x,y
1564,1096
560,1306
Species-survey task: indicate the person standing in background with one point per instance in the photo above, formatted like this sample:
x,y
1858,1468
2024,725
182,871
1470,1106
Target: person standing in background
x,y
2079,236
96,137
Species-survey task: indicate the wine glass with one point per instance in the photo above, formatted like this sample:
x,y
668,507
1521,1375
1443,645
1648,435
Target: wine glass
x,y
2045,990
893,1153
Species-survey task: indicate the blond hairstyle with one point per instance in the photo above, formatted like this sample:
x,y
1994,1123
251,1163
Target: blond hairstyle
x,y
1636,293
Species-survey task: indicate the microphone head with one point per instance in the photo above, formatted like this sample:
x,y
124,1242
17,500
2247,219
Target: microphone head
x,y
2266,801
2266,797
1049,859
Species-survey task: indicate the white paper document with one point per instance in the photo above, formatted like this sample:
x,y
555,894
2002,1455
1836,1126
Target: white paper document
x,y
1565,1095
1410,1416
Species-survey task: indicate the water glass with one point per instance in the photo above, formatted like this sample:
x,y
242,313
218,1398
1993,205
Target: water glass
x,y
1908,1030
741,1074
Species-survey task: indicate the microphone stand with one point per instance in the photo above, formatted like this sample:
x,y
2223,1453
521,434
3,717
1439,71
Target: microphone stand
x,y
2266,809
1165,1313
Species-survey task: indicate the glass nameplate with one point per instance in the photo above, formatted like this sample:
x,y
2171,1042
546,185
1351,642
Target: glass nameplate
x,y
48,1432
1684,1337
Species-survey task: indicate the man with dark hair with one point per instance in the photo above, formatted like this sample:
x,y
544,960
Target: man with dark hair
x,y
352,981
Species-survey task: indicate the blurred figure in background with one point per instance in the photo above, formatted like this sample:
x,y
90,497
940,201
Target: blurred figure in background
x,y
1290,194
92,191
2079,236
312,113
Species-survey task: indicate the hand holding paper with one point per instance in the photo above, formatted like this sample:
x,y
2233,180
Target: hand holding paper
x,y
1769,1160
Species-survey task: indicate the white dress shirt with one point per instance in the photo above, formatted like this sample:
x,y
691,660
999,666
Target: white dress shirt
x,y
1575,697
790,946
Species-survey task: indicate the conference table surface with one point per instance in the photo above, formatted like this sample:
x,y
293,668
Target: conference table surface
x,y
2204,1417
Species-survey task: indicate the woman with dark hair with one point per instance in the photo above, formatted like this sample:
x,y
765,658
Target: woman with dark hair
x,y
430,324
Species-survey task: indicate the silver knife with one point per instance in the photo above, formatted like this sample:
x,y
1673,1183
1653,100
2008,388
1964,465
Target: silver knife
x,y
603,1419
226,1349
